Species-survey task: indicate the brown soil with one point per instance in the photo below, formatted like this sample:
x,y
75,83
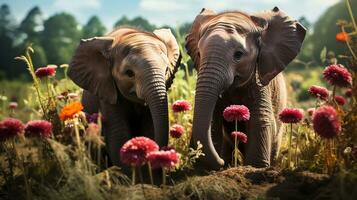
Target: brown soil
x,y
245,183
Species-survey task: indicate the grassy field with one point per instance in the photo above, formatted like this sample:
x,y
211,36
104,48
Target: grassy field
x,y
69,162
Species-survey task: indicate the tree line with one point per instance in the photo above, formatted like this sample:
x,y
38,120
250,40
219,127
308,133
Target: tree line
x,y
54,39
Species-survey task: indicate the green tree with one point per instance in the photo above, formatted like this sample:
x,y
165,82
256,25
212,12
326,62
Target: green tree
x,y
94,27
325,30
60,36
7,38
136,22
31,27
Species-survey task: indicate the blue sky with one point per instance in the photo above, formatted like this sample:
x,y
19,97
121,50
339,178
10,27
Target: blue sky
x,y
162,12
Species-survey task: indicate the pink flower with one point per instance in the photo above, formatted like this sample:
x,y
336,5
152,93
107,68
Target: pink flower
x,y
236,112
348,92
38,128
134,151
290,115
326,122
10,127
319,92
181,105
45,71
340,100
13,105
163,159
240,136
311,111
338,75
176,130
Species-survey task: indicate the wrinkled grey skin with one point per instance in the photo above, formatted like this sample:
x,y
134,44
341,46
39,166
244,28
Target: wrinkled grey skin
x,y
239,58
125,75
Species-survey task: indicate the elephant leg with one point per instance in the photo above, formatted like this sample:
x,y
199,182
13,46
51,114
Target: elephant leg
x,y
90,102
260,129
116,128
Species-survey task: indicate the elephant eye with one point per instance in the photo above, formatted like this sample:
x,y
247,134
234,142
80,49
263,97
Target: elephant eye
x,y
238,55
129,73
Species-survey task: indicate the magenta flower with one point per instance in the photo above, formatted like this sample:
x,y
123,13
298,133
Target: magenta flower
x,y
10,127
326,122
134,151
45,71
240,136
92,118
340,100
337,75
290,115
236,113
38,128
181,105
176,130
13,105
348,92
163,159
319,92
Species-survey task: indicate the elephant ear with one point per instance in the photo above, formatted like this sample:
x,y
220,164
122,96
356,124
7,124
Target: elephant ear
x,y
173,53
90,68
281,40
193,37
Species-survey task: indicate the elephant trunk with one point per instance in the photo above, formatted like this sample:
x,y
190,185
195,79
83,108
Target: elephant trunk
x,y
154,92
213,78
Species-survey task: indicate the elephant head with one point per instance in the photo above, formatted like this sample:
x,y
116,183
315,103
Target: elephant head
x,y
231,50
135,64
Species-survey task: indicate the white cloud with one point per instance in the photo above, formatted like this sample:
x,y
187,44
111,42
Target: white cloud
x,y
75,5
163,5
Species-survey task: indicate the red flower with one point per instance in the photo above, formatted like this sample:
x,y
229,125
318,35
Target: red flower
x,y
338,75
348,92
240,136
45,71
342,37
290,115
13,105
134,151
176,131
181,105
10,127
319,92
326,122
163,159
38,128
311,111
340,100
236,112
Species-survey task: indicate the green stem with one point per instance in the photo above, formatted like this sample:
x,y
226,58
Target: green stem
x,y
133,169
150,174
163,176
348,45
290,139
296,148
235,151
351,14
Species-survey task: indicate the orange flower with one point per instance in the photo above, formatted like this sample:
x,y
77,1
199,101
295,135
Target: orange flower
x,y
342,37
70,110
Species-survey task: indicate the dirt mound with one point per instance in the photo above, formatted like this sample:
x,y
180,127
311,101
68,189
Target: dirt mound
x,y
239,183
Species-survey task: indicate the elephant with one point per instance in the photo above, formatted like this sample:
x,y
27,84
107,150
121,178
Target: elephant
x,y
239,58
125,75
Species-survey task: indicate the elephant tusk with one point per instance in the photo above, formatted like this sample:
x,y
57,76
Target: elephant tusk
x,y
220,96
145,104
